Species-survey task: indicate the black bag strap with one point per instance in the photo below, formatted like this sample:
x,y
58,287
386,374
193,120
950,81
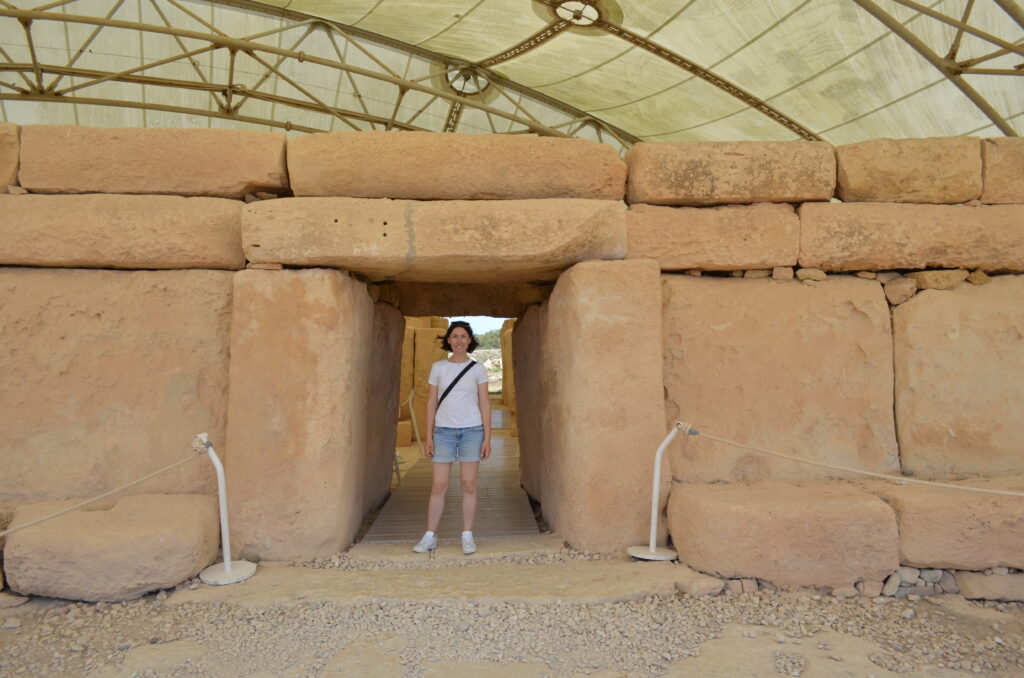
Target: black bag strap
x,y
455,381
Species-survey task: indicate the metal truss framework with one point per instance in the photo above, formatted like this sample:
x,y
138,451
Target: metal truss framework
x,y
509,110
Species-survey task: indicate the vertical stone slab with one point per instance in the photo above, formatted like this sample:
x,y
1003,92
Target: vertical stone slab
x,y
529,365
10,150
382,407
959,357
1002,170
405,378
427,350
301,345
107,376
804,370
508,383
603,409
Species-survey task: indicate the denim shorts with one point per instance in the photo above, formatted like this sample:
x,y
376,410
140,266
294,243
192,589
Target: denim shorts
x,y
457,444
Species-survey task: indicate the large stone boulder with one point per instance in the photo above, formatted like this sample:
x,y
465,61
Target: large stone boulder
x,y
958,529
715,173
115,551
959,362
491,241
1003,170
873,236
731,237
299,434
107,377
944,170
10,151
801,369
593,399
815,534
121,231
433,166
219,163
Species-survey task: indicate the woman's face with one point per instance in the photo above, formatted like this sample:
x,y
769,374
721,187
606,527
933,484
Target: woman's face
x,y
459,340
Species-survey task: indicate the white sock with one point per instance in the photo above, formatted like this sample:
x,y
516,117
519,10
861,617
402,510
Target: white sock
x,y
429,534
467,533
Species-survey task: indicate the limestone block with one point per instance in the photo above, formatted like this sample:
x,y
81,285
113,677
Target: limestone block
x,y
403,434
974,585
439,322
508,382
712,173
597,409
301,344
467,299
212,162
107,377
760,362
405,376
384,373
120,231
950,529
449,241
714,239
433,166
10,151
116,552
959,360
855,236
1003,170
817,534
940,170
418,321
938,280
899,290
427,351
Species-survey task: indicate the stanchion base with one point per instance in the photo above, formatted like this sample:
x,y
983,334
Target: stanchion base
x,y
645,553
215,575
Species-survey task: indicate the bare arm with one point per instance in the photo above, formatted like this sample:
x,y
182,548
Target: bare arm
x,y
485,413
428,443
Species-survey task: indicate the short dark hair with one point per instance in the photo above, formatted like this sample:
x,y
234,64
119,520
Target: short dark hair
x,y
464,325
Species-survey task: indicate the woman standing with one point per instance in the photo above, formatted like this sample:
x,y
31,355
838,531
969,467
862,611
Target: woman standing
x,y
458,429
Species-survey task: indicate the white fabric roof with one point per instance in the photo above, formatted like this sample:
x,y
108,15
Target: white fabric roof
x,y
838,70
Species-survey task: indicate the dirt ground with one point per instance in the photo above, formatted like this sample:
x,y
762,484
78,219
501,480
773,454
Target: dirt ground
x,y
521,607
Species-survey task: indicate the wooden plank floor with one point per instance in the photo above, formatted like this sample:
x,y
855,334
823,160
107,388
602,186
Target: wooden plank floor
x,y
503,509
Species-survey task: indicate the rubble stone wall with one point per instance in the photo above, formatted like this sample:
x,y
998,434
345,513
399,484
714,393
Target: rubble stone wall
x,y
859,306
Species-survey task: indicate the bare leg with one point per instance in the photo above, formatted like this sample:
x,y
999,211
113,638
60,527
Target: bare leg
x,y
467,474
435,507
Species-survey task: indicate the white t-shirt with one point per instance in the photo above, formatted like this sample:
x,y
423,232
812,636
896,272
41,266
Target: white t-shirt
x,y
461,409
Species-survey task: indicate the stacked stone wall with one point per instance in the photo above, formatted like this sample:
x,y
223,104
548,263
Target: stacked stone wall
x,y
860,305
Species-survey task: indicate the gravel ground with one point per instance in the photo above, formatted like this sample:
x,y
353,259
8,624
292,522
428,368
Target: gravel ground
x,y
150,637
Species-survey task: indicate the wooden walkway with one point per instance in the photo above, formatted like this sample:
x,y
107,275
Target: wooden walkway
x,y
503,509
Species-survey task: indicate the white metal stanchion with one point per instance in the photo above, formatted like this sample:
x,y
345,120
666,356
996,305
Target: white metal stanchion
x,y
653,551
225,572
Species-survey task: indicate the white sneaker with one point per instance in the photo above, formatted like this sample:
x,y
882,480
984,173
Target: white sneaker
x,y
428,543
468,545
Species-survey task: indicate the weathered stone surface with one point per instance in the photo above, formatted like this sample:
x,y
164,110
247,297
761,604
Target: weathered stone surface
x,y
508,381
101,552
815,274
946,170
427,351
120,231
212,162
10,151
467,299
714,173
959,360
432,166
594,412
852,236
404,436
782,273
1003,173
714,239
974,585
819,534
297,443
938,280
384,370
405,376
978,278
758,362
449,241
899,290
696,583
107,377
950,529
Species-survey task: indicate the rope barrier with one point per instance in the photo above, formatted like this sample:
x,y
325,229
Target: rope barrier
x,y
102,496
884,476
